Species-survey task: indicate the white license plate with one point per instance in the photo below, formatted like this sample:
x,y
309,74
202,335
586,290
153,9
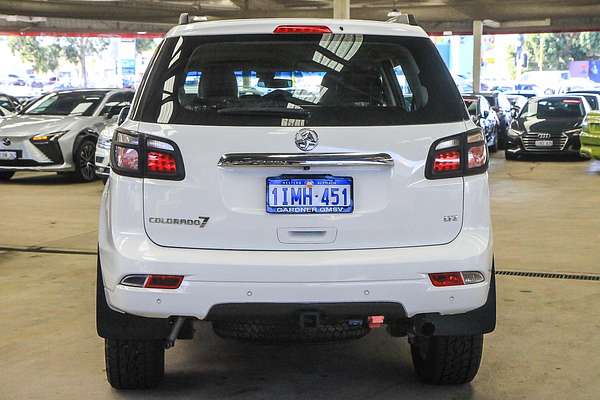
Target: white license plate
x,y
309,195
544,143
8,155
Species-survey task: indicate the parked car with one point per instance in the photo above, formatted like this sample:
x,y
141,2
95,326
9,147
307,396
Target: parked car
x,y
483,116
10,103
220,206
548,125
102,156
503,109
517,102
592,97
525,93
590,136
58,132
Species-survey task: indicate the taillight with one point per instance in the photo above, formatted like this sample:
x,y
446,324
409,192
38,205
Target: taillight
x,y
302,29
459,155
139,155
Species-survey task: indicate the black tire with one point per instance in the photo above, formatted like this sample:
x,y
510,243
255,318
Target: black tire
x,y
509,156
287,331
104,179
134,364
83,157
447,360
6,175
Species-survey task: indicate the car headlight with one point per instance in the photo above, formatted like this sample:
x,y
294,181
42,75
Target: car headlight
x,y
104,142
573,132
47,137
514,133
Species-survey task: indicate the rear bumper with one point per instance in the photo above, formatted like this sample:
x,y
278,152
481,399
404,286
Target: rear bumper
x,y
34,166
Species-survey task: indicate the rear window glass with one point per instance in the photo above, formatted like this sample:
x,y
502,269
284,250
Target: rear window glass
x,y
554,108
297,80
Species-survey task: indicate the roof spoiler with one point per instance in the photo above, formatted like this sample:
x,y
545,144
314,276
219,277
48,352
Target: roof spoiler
x,y
401,18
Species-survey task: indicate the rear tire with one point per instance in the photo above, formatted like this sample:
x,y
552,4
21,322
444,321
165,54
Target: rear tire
x,y
447,360
134,364
83,157
6,175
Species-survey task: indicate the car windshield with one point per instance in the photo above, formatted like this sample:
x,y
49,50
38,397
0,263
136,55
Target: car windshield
x,y
296,80
67,103
555,108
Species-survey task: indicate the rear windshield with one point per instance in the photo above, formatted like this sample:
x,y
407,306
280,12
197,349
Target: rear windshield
x,y
296,80
67,103
554,108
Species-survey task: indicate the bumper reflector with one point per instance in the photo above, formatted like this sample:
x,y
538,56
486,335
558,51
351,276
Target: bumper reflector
x,y
441,279
163,281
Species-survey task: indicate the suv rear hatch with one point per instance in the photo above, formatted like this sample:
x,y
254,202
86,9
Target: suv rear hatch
x,y
308,141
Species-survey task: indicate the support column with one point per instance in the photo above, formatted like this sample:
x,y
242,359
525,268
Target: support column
x,y
341,9
477,34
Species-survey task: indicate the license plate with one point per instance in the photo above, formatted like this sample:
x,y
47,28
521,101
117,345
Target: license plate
x,y
544,143
309,195
8,155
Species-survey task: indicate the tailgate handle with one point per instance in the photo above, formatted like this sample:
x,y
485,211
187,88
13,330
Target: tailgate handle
x,y
306,160
306,235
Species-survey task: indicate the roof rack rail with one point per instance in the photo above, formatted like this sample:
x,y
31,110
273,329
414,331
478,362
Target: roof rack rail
x,y
401,18
186,18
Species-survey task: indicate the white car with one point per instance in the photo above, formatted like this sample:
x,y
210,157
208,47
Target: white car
x,y
308,212
58,132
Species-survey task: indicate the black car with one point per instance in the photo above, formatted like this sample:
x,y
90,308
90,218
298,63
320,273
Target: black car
x,y
482,114
547,125
503,109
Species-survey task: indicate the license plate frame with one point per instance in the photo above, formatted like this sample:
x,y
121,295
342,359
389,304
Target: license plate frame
x,y
544,143
317,180
4,155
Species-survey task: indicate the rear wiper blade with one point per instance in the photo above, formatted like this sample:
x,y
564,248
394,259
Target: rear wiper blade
x,y
265,111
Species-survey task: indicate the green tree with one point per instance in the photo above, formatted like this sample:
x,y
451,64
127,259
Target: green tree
x,y
77,49
554,51
143,44
44,58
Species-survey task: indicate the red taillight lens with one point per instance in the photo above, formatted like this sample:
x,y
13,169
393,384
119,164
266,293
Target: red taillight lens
x,y
126,158
446,279
161,162
163,281
302,29
446,161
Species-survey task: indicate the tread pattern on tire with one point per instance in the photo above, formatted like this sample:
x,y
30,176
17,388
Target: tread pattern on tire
x,y
287,331
134,364
450,360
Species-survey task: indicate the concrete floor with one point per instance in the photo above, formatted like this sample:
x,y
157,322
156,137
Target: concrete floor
x,y
546,345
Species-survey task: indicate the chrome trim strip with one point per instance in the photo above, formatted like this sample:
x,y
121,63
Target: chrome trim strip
x,y
292,160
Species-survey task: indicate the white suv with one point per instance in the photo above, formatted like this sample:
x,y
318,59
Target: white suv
x,y
296,180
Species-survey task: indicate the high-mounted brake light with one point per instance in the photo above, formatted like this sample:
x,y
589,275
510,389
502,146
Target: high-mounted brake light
x,y
571,101
458,155
139,155
300,29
